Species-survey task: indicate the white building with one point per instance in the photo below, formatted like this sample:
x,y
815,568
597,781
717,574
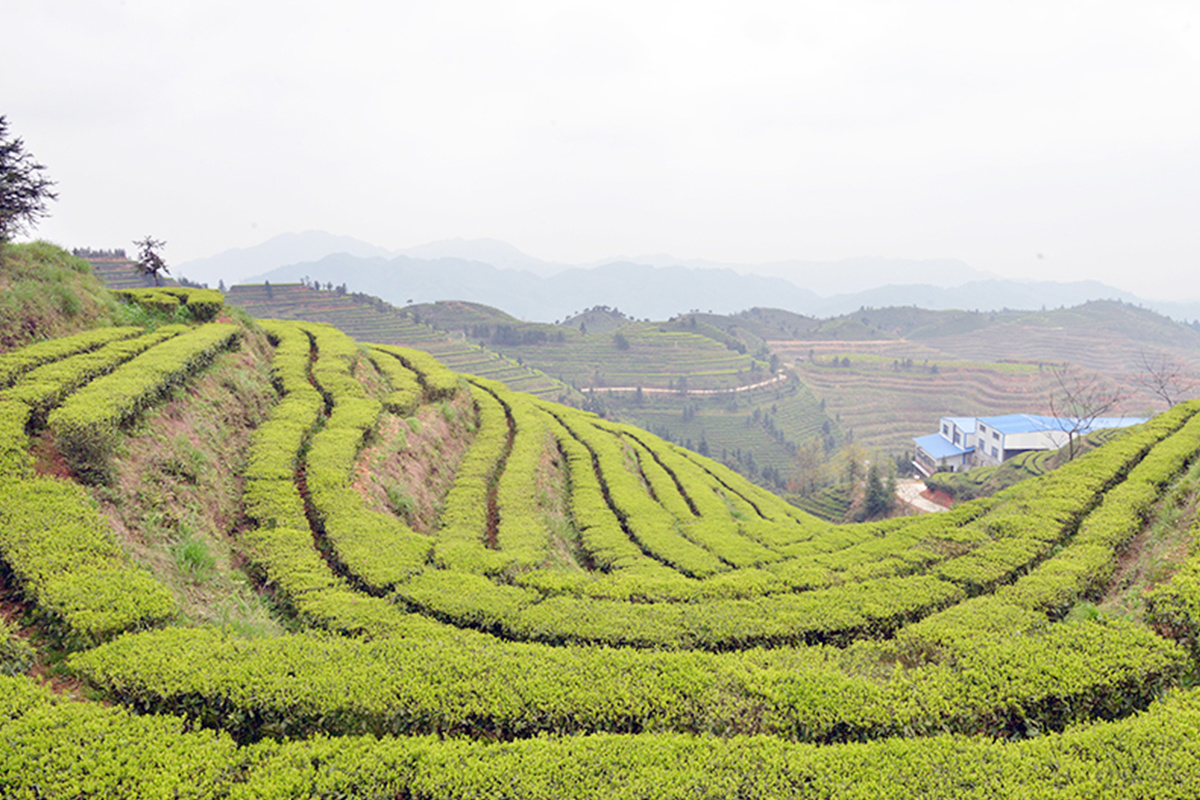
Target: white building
x,y
964,442
950,449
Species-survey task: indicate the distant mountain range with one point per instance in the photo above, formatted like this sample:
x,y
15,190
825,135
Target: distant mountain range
x,y
654,286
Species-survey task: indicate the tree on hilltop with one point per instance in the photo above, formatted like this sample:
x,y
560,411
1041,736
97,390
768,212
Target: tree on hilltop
x,y
24,189
149,261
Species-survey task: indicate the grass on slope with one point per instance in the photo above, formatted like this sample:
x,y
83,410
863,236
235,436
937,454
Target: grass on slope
x,y
175,499
45,293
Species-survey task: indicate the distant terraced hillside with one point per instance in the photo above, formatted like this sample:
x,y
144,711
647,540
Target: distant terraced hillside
x,y
615,352
887,405
1104,336
121,273
908,366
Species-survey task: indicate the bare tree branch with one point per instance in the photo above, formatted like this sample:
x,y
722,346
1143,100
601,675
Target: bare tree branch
x,y
1079,400
1166,377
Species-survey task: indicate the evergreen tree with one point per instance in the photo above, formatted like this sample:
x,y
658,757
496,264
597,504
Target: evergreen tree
x,y
24,190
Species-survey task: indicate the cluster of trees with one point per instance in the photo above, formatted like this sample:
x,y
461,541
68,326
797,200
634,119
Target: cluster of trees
x,y
87,252
514,335
328,286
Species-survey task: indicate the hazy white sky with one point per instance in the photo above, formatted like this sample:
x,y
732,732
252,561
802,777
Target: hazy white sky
x,y
735,131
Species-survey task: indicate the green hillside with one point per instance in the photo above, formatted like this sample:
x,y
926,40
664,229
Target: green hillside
x,y
261,559
45,292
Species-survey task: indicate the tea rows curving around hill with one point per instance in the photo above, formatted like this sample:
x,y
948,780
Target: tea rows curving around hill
x,y
265,560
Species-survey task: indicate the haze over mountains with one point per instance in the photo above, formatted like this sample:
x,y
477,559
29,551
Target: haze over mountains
x,y
654,286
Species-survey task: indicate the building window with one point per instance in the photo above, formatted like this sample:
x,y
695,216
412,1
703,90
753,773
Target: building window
x,y
995,435
995,453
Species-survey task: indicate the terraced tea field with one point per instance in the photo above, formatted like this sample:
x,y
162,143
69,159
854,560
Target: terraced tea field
x,y
749,431
652,357
885,407
120,273
377,322
476,593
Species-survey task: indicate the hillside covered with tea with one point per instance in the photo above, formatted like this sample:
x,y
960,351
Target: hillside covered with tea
x,y
258,558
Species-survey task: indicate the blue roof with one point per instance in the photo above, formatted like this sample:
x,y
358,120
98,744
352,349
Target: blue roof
x,y
1034,423
938,447
964,424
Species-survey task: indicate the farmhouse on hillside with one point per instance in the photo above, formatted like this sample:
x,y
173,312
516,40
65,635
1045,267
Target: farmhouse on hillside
x,y
965,442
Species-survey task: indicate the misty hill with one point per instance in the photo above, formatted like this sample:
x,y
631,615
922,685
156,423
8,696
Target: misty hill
x,y
989,295
646,291
487,251
656,286
843,276
636,289
233,266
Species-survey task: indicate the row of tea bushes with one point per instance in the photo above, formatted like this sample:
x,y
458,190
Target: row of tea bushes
x,y
406,392
47,386
297,685
53,539
874,604
281,545
17,362
202,305
439,382
62,749
377,549
466,517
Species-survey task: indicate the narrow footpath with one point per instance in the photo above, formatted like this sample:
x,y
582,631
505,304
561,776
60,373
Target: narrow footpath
x,y
910,494
653,390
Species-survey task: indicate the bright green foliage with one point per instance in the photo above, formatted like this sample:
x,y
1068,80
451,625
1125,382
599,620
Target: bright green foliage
x,y
705,640
52,537
376,548
521,533
202,305
1174,608
64,749
47,386
295,684
17,362
439,382
281,547
704,515
465,521
61,551
15,461
650,526
60,749
406,388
